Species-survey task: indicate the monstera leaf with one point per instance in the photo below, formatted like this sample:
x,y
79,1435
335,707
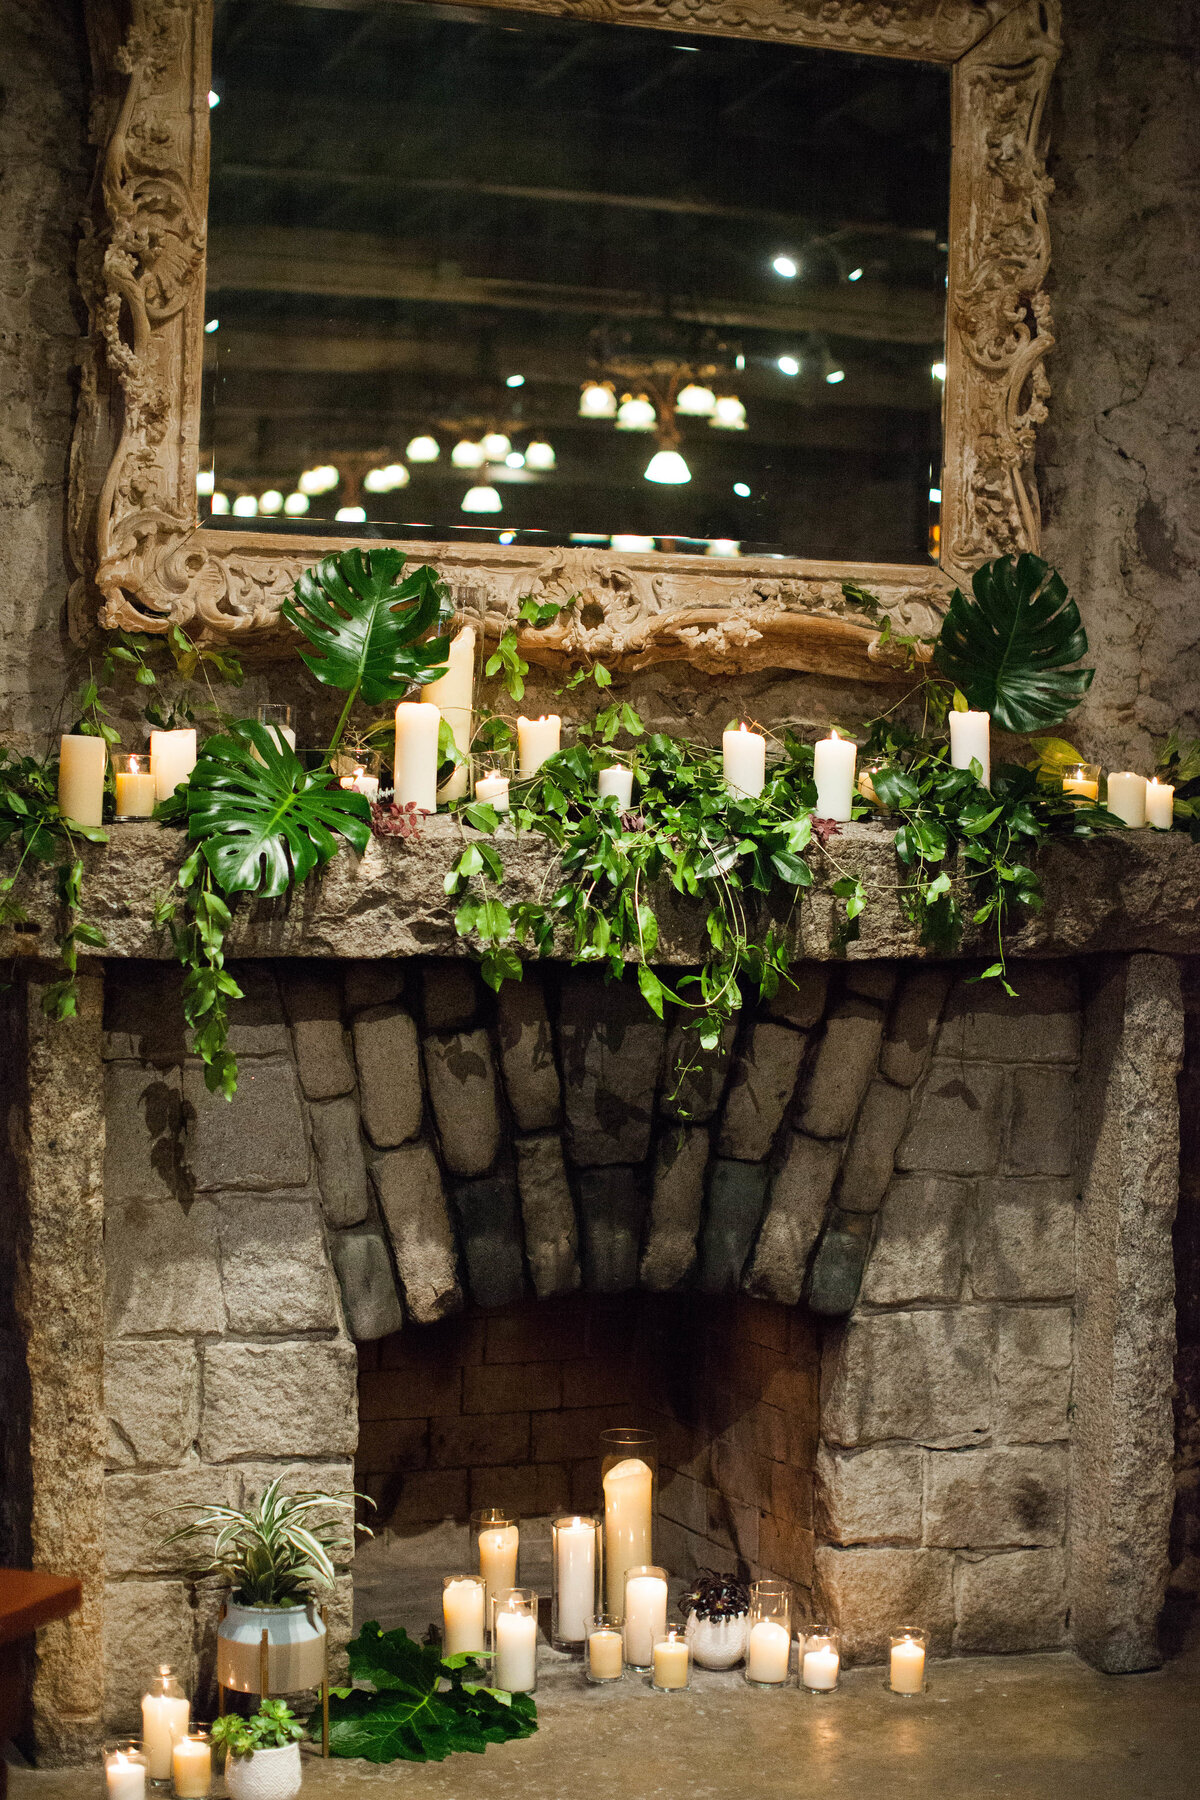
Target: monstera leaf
x,y
262,820
1008,648
365,624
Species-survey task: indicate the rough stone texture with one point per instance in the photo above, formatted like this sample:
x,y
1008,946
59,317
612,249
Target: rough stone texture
x,y
871,1591
409,1185
957,1120
984,1024
282,1399
341,1163
389,1075
161,1270
693,1097
872,1150
925,1376
800,1000
1016,1601
489,1232
256,1023
870,1496
1024,1245
152,1399
1033,1374
256,1140
375,982
449,995
138,1516
736,1193
676,1205
462,1093
919,1249
612,1209
611,1052
548,1215
143,1013
844,1064
527,1053
1041,1130
760,1086
913,1024
1122,1439
368,1286
800,1190
985,1499
142,1118
156,1616
874,980
274,1269
837,1268
313,1000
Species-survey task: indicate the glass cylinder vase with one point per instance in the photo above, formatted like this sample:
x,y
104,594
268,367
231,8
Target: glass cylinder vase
x,y
276,717
166,1714
769,1645
464,1614
191,1766
514,1640
908,1652
605,1660
497,1537
629,1484
671,1672
820,1660
577,1541
124,1770
644,1613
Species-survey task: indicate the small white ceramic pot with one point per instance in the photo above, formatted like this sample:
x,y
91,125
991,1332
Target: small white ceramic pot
x,y
718,1643
295,1648
264,1774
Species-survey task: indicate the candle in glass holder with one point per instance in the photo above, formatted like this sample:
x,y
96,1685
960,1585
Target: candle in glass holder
x,y
172,758
1127,798
672,1669
494,788
834,760
165,1716
1081,781
628,1523
537,739
769,1646
971,741
191,1767
605,1650
820,1662
454,696
744,761
276,717
498,1539
575,1541
135,787
906,1662
514,1638
416,762
1160,805
645,1614
81,778
125,1772
463,1614
617,784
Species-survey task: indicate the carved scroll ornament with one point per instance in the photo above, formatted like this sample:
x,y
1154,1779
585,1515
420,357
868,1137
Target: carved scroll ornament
x,y
135,530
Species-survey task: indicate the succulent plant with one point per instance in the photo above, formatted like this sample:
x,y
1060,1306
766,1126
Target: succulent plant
x,y
717,1596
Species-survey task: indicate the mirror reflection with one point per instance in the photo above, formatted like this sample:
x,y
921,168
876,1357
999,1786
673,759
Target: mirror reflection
x,y
483,274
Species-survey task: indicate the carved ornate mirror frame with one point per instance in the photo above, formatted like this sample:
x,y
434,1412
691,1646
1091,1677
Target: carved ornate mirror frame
x,y
135,533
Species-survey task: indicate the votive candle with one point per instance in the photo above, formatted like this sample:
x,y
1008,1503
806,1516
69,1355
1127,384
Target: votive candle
x,y
834,760
645,1614
769,1646
191,1767
820,1662
605,1651
1127,798
906,1663
616,784
672,1668
134,782
81,763
537,739
166,1712
125,1773
1160,805
495,789
463,1614
416,761
744,761
971,741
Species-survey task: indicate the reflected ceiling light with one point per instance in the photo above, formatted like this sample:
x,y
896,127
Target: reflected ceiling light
x,y
668,468
855,275
506,537
728,414
739,361
834,376
351,515
695,401
219,503
271,502
636,414
211,326
597,401
496,445
319,480
515,381
245,506
741,490
514,460
783,265
723,547
466,455
788,365
206,481
385,480
482,500
422,450
296,505
935,495
214,99
938,371
539,455
631,545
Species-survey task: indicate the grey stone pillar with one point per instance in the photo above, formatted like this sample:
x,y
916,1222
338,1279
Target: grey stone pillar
x,y
1122,1440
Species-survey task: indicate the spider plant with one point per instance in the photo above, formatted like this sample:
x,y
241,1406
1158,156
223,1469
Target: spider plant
x,y
273,1553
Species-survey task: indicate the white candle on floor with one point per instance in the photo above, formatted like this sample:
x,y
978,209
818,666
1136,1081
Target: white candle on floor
x,y
498,1549
744,761
462,1615
907,1668
165,1720
616,783
495,789
671,1663
575,1579
516,1651
970,741
628,1506
645,1617
454,696
1127,798
1160,805
770,1647
416,761
191,1768
834,760
172,759
81,778
820,1669
124,1777
606,1654
536,740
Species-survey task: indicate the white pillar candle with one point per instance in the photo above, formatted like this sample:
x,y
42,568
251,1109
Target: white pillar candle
x,y
416,763
135,790
970,741
645,1617
820,1669
769,1649
495,789
907,1669
498,1548
628,1511
191,1768
744,759
606,1654
172,758
164,1721
124,1777
536,740
1127,798
671,1663
81,778
575,1580
616,783
454,696
361,783
834,760
1160,805
516,1651
462,1615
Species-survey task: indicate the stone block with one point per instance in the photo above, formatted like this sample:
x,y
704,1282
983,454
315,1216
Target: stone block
x,y
527,1058
489,1232
990,1499
377,982
476,1440
837,1268
142,1510
920,1241
312,998
868,1592
143,1013
925,1376
1024,1245
800,997
257,1140
461,1080
783,1547
145,1623
871,1155
341,1163
548,1214
676,1206
409,1185
801,1184
1033,1374
913,1025
143,1114
1014,1601
869,1496
612,1050
256,1022
737,1193
161,1270
152,1400
874,980
760,1086
1042,1024
389,1075
368,1285
612,1211
274,1267
956,1122
845,1061
1041,1127
449,993
283,1399
693,1078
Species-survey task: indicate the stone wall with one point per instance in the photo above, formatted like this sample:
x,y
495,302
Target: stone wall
x,y
1183,1592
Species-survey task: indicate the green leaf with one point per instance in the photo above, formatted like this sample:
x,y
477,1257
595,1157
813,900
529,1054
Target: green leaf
x,y
1008,649
364,623
652,988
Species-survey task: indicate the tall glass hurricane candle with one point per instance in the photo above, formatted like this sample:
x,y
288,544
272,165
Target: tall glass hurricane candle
x,y
628,1469
576,1541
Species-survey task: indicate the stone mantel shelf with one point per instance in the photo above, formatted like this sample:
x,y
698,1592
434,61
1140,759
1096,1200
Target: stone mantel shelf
x,y
1126,892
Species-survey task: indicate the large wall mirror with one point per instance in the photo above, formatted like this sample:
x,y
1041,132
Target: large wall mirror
x,y
712,323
